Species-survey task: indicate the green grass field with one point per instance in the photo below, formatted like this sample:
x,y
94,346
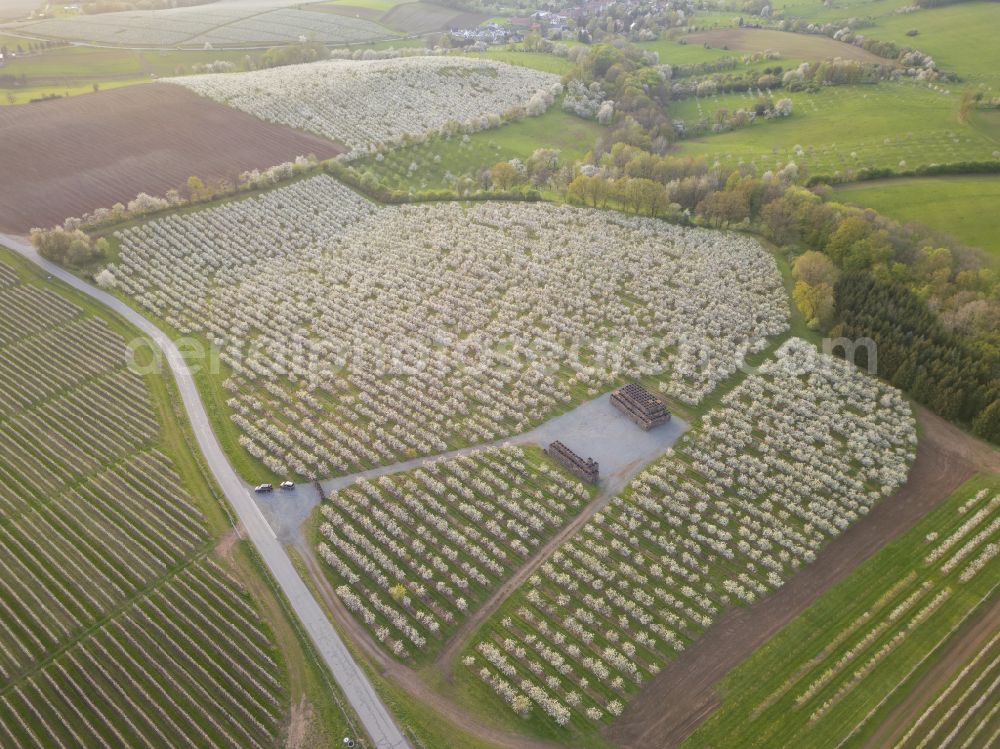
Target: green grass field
x,y
721,19
962,206
796,46
74,70
95,62
831,676
961,38
71,71
675,53
435,159
69,88
845,128
813,10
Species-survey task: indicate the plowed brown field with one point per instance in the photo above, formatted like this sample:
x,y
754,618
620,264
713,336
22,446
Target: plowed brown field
x,y
792,46
68,156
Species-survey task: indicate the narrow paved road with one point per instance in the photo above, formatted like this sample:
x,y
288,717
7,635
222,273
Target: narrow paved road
x,y
377,720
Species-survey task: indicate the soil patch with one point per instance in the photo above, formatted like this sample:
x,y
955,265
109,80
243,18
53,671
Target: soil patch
x,y
299,724
69,156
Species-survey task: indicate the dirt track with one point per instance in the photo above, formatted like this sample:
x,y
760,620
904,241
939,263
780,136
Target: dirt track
x,y
68,156
407,678
445,661
683,695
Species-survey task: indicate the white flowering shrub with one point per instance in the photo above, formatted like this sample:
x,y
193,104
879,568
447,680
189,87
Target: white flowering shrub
x,y
360,335
414,552
790,458
366,103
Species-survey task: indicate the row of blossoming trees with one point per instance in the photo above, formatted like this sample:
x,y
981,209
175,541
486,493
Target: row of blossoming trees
x,y
792,456
115,629
359,335
416,96
414,552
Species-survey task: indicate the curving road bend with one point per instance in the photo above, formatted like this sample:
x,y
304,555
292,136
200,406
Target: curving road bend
x,y
357,688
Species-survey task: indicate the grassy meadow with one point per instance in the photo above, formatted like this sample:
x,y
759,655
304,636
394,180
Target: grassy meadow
x,y
537,60
437,158
842,129
382,6
961,38
796,46
683,53
962,206
75,70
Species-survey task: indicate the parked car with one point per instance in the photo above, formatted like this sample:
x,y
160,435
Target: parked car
x,y
287,484
262,488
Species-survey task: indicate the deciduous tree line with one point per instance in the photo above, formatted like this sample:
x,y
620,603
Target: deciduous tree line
x,y
931,305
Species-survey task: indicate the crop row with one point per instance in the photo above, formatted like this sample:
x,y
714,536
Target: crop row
x,y
28,309
205,27
55,360
90,426
112,632
875,652
105,539
964,713
289,24
8,276
185,666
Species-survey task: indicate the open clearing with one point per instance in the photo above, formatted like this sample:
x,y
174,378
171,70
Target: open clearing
x,y
964,207
434,163
685,693
795,46
107,147
841,129
961,38
677,53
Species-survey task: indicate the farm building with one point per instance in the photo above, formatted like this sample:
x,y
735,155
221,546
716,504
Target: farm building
x,y
640,405
586,470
